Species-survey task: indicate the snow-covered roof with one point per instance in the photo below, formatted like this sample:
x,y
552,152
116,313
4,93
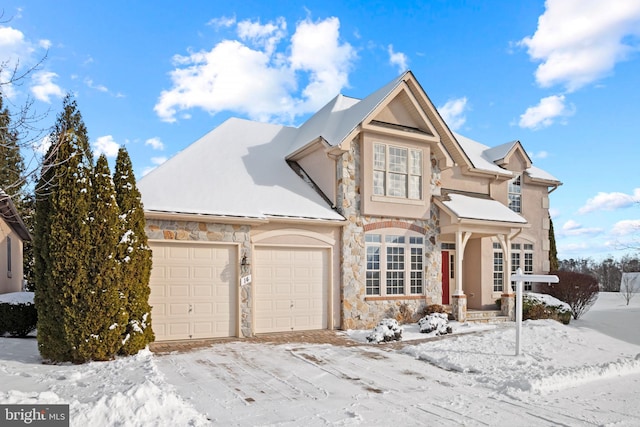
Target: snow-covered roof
x,y
477,153
537,173
484,157
238,169
11,216
499,152
480,208
336,120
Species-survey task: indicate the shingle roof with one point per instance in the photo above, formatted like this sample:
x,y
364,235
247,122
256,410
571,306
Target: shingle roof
x,y
238,169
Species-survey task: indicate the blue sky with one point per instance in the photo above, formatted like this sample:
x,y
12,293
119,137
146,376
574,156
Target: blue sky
x,y
561,76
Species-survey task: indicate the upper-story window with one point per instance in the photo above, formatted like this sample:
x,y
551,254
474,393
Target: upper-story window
x,y
515,194
397,172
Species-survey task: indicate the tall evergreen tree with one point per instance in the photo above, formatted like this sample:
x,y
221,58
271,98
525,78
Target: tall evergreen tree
x,y
98,334
49,319
134,256
13,182
11,162
554,264
64,278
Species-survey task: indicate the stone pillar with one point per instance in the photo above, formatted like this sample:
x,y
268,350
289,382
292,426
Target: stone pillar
x,y
508,306
459,307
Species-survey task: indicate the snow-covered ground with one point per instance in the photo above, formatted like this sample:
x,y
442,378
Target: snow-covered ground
x,y
587,373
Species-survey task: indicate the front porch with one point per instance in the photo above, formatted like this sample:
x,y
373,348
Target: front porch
x,y
477,234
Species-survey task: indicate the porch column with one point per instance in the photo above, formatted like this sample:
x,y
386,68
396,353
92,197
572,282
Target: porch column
x,y
507,299
459,299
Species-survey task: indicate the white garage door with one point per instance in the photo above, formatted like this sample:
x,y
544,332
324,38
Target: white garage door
x,y
193,290
290,289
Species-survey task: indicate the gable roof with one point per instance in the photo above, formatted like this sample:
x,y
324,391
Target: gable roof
x,y
487,159
240,168
341,116
10,214
236,170
500,154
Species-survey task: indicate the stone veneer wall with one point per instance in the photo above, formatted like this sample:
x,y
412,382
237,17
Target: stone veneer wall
x,y
357,312
210,232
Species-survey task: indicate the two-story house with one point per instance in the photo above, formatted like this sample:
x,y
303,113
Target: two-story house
x,y
369,206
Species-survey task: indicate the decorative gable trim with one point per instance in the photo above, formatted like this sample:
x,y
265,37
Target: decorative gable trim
x,y
395,224
502,155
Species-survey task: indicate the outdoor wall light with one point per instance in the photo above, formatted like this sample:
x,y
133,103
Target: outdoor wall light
x,y
244,264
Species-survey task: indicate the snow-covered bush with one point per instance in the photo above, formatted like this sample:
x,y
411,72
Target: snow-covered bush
x,y
18,316
542,306
387,330
438,322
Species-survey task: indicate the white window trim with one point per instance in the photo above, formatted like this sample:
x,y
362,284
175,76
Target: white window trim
x,y
407,246
397,199
515,194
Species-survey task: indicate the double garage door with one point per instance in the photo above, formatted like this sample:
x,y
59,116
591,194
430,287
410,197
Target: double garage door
x,y
194,290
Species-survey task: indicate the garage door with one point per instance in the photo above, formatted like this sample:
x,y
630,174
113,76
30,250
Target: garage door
x,y
290,289
193,290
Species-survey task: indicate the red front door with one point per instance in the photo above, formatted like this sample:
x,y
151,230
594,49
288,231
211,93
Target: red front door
x,y
445,277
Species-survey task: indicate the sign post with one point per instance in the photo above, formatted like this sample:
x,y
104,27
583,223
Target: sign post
x,y
520,278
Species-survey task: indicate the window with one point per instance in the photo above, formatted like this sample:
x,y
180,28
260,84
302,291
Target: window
x,y
8,256
397,172
498,268
395,264
520,252
515,194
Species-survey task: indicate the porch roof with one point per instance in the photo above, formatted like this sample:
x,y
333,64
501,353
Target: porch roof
x,y
478,208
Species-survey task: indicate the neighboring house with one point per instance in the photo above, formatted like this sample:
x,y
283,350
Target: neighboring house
x,y
369,206
13,233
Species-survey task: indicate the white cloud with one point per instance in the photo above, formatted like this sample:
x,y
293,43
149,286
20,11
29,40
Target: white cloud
x,y
17,51
107,145
580,41
553,212
626,227
263,36
316,49
100,88
42,146
539,155
398,59
573,247
610,201
453,112
14,50
43,86
572,228
545,113
157,161
155,143
222,22
224,78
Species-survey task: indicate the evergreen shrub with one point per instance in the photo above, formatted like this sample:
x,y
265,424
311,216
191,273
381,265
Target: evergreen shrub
x,y
17,320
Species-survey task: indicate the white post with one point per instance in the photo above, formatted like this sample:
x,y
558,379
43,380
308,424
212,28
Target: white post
x,y
520,278
519,286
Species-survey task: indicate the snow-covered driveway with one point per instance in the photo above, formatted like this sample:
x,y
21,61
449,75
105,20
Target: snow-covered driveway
x,y
566,375
311,384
